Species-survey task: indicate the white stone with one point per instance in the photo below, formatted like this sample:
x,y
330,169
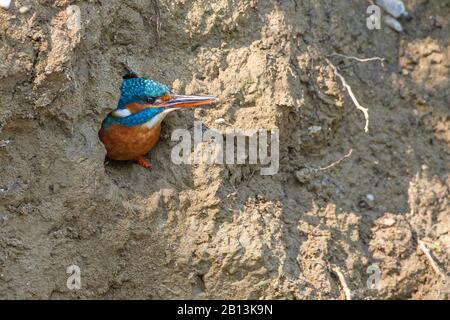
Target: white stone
x,y
370,197
220,121
4,143
24,10
314,129
388,222
393,23
5,4
395,8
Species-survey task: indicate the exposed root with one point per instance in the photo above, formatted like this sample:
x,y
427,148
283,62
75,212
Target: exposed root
x,y
340,275
157,18
365,111
335,163
168,289
433,263
356,58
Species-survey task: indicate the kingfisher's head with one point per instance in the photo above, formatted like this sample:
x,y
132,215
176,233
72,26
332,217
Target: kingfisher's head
x,y
140,91
150,93
148,102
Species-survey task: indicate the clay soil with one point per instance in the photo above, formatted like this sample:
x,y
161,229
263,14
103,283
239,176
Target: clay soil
x,y
225,231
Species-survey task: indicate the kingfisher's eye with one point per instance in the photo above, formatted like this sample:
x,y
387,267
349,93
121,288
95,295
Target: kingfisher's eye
x,y
150,100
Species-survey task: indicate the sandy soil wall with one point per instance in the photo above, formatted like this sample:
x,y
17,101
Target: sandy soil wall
x,y
225,231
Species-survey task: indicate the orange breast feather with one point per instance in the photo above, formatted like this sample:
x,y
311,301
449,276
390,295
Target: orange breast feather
x,y
129,143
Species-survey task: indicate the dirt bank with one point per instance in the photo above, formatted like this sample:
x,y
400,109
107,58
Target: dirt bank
x,y
181,231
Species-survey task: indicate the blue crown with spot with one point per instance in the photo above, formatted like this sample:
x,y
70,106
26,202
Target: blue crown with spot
x,y
135,89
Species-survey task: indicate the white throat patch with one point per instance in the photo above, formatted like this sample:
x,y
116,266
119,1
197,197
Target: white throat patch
x,y
121,113
158,118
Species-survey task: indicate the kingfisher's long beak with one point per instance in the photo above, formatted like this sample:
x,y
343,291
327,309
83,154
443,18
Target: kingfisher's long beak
x,y
179,101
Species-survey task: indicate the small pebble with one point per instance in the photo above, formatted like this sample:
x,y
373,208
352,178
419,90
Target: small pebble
x,y
370,197
220,121
439,22
3,219
305,175
4,143
395,8
393,24
5,4
24,10
314,129
389,222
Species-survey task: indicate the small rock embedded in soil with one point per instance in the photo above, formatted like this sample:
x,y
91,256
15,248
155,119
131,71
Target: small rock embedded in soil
x,y
24,10
305,175
3,218
393,23
395,8
5,4
388,222
370,197
314,129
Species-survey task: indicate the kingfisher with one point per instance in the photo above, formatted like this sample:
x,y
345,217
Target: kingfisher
x,y
131,130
